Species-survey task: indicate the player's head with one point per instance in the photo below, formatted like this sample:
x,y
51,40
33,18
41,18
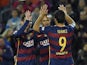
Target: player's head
x,y
59,15
46,21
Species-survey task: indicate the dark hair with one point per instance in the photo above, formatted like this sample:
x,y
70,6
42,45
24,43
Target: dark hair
x,y
60,16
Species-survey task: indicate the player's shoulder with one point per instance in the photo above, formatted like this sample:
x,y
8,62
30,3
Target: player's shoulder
x,y
49,26
40,35
52,26
46,28
70,28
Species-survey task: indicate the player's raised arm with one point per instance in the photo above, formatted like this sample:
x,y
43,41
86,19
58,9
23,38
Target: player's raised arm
x,y
27,18
69,20
43,11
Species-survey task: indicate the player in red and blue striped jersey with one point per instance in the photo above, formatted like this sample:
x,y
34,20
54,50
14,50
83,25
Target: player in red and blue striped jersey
x,y
60,36
43,49
26,44
26,53
43,43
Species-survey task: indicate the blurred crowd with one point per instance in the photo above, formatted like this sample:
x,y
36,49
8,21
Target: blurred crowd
x,y
11,19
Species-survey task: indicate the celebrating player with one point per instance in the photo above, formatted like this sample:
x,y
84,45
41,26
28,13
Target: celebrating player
x,y
60,36
44,43
26,44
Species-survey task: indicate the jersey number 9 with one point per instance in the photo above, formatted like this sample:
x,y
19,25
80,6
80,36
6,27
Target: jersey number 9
x,y
62,43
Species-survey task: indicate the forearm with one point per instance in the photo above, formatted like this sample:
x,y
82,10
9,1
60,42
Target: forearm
x,y
37,23
21,30
69,19
43,11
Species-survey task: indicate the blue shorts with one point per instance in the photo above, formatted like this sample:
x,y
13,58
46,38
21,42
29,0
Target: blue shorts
x,y
67,61
31,62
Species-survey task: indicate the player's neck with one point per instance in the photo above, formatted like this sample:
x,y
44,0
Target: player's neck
x,y
60,25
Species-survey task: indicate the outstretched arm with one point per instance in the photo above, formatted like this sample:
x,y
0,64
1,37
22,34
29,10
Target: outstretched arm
x,y
69,20
27,19
43,11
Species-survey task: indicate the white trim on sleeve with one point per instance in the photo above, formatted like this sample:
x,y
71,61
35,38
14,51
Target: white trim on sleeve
x,y
73,24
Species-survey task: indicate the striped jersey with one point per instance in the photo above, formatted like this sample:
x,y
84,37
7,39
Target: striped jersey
x,y
43,47
26,45
60,39
26,50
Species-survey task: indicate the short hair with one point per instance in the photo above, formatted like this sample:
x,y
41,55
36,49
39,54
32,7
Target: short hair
x,y
60,16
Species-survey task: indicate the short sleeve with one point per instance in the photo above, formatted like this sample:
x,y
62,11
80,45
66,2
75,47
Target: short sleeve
x,y
73,24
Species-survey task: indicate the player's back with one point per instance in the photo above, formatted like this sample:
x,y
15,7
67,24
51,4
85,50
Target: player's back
x,y
60,39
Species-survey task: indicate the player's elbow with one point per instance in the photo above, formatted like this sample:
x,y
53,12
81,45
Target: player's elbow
x,y
36,28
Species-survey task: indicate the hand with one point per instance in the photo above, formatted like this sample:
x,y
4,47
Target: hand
x,y
44,10
61,7
28,15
